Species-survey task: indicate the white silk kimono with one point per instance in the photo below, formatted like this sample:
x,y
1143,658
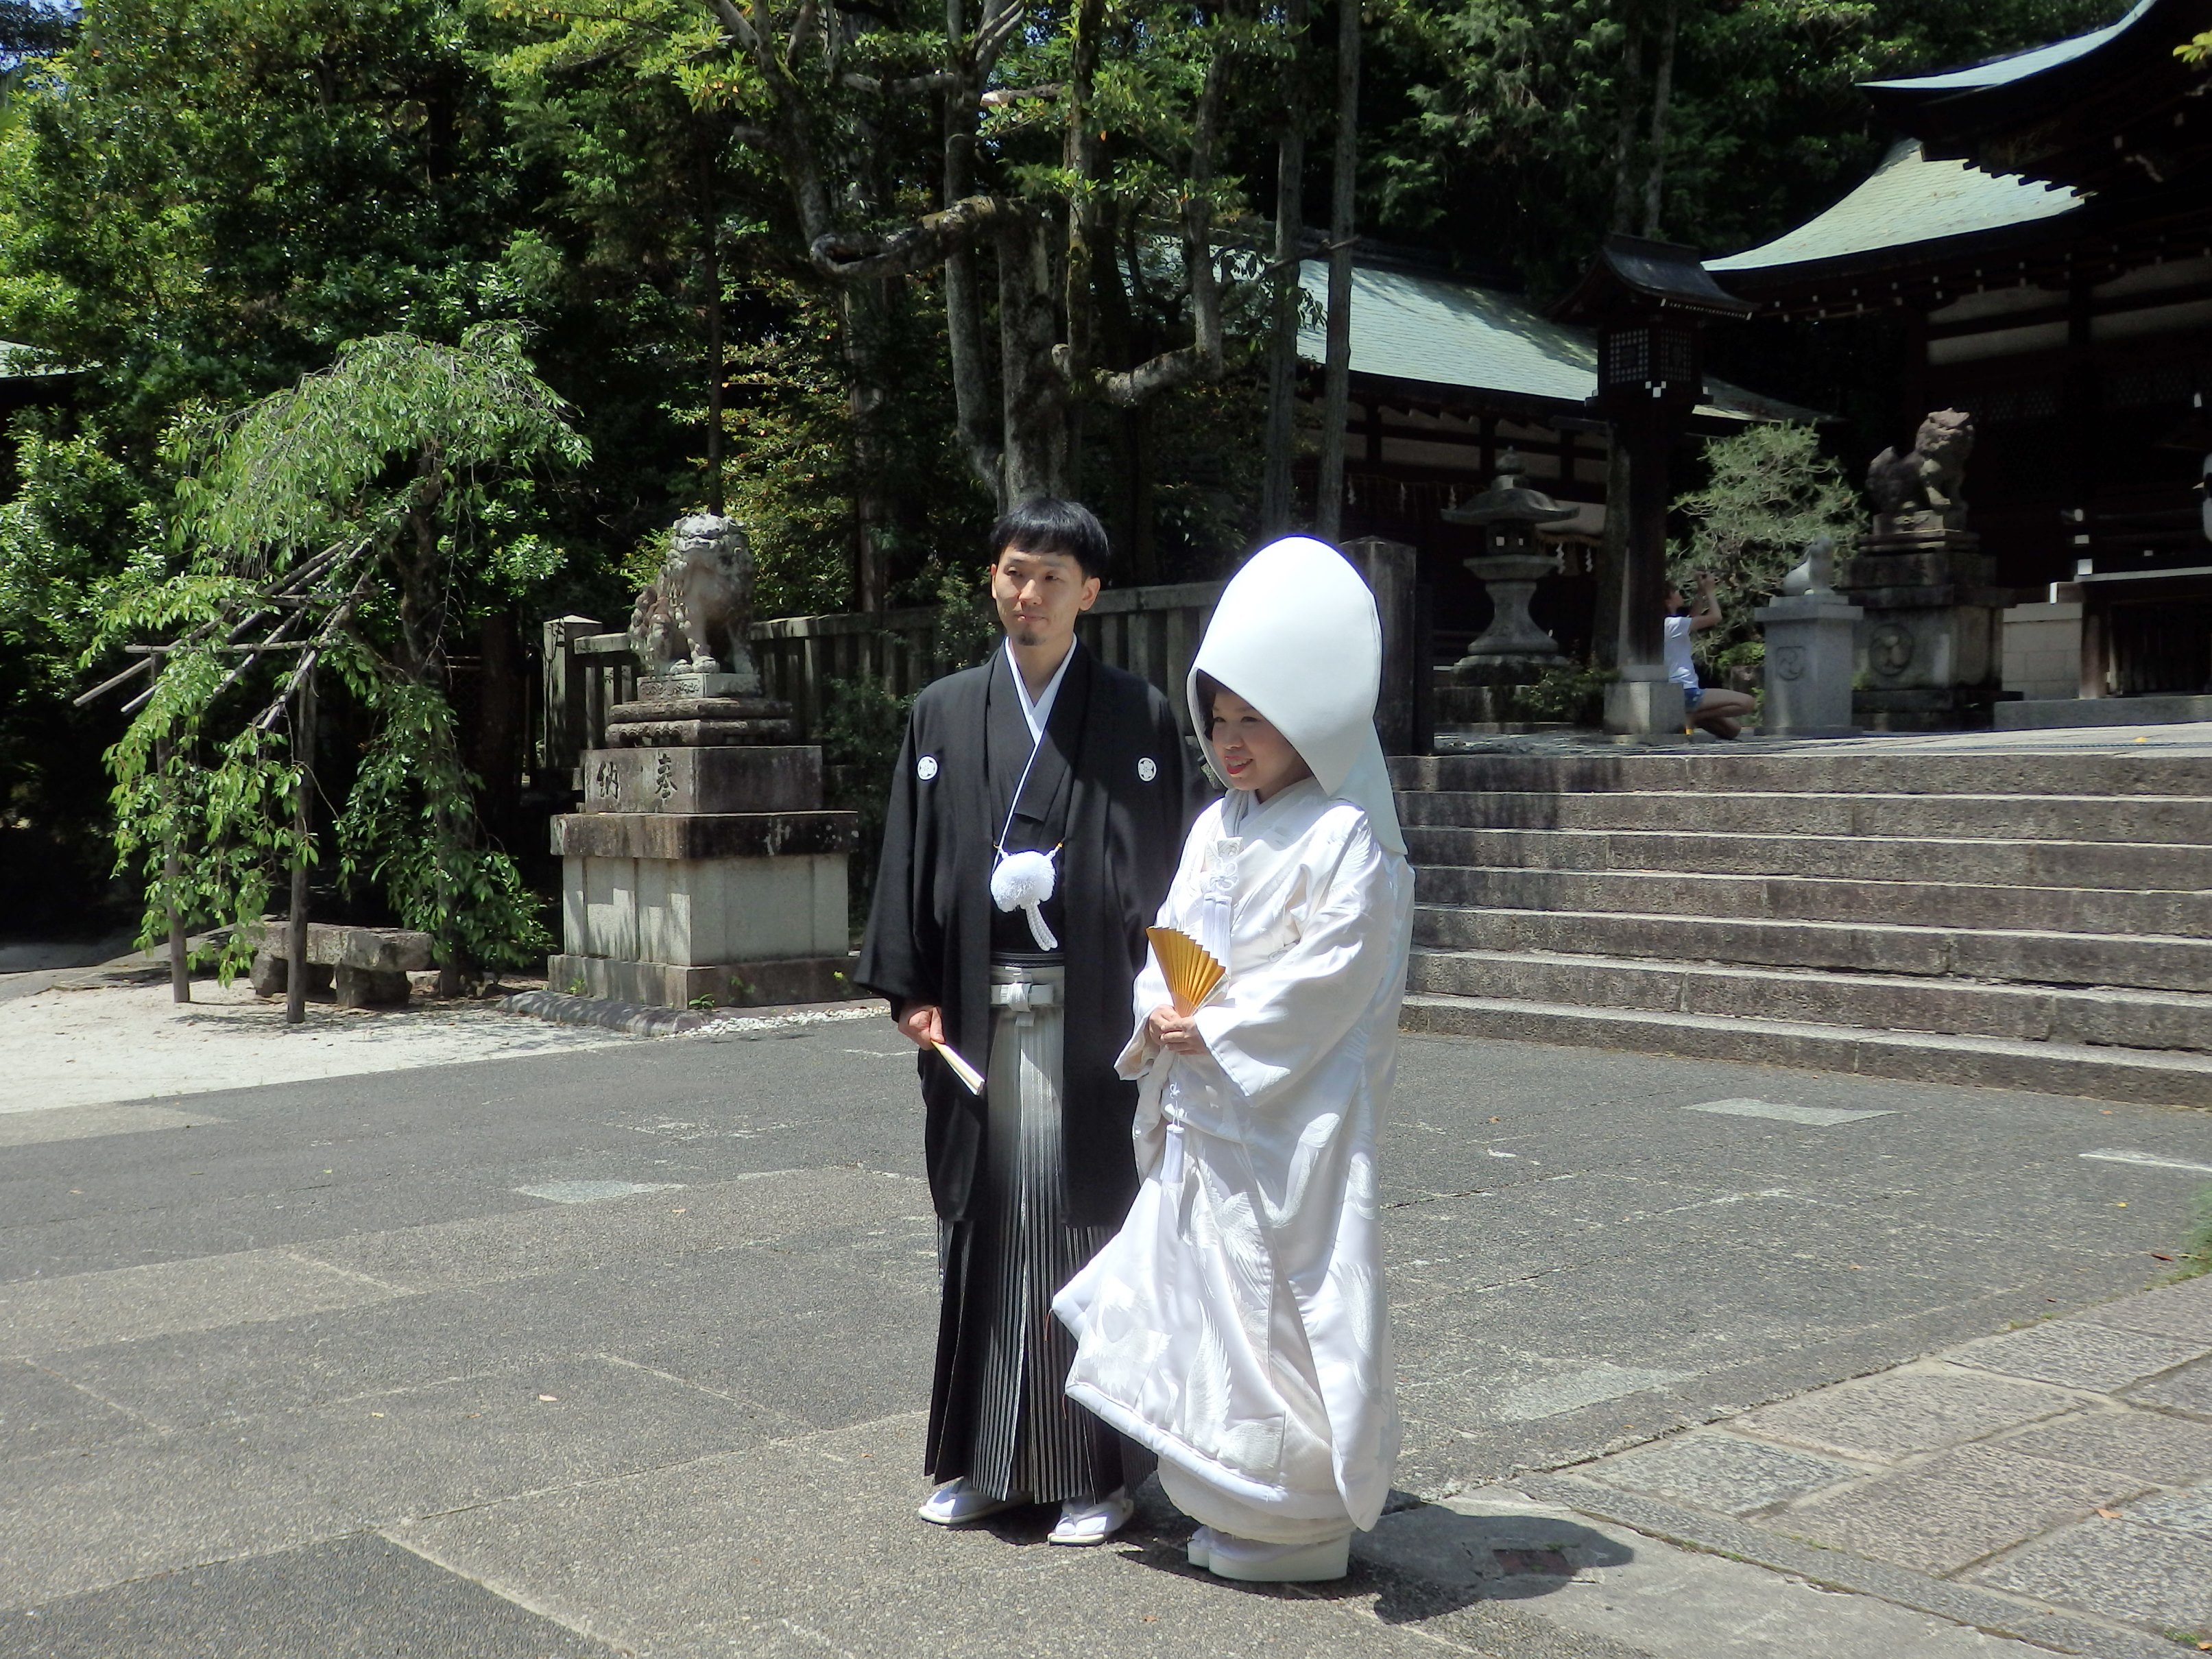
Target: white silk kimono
x,y
1236,1324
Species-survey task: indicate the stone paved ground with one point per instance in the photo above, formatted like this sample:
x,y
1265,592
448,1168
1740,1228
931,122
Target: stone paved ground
x,y
2063,1468
626,1350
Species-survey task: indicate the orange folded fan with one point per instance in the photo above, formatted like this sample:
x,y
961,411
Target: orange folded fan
x,y
1191,972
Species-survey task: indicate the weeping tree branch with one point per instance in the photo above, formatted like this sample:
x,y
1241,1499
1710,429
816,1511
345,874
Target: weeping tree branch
x,y
859,256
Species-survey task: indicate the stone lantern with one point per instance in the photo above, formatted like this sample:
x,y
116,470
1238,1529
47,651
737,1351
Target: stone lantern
x,y
1513,650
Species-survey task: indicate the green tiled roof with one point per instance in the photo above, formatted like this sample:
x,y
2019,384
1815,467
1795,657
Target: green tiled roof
x,y
1909,199
2001,71
1436,330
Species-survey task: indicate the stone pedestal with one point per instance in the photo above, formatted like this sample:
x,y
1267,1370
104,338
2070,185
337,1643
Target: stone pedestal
x,y
1928,649
1810,660
1642,702
702,868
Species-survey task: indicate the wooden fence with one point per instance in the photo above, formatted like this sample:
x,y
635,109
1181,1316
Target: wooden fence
x,y
1152,632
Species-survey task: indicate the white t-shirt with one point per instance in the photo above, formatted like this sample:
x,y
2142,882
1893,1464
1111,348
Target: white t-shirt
x,y
1680,668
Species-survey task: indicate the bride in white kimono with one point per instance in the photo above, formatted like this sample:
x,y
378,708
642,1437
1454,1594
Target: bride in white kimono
x,y
1236,1324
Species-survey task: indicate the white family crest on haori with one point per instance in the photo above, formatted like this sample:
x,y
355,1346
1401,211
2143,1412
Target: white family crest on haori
x,y
1237,1323
1147,769
925,767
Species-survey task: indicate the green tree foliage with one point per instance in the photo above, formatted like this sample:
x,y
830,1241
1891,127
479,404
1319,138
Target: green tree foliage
x,y
369,499
1769,492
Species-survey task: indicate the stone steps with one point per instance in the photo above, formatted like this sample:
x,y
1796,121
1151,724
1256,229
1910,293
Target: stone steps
x,y
1949,861
2173,820
2148,1077
2015,920
1818,898
2021,956
1813,768
2176,1021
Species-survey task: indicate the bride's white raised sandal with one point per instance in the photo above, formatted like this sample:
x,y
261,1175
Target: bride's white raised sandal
x,y
1200,1551
1251,1562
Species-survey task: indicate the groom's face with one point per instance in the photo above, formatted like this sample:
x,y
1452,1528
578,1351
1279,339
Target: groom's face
x,y
1040,595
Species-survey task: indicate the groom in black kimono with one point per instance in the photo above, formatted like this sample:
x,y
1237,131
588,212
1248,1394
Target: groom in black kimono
x,y
1043,750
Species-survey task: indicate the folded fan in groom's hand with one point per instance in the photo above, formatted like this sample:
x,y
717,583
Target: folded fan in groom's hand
x,y
1191,972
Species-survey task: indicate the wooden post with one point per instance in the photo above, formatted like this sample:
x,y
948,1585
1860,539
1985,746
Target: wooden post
x,y
296,924
1390,568
180,978
1336,384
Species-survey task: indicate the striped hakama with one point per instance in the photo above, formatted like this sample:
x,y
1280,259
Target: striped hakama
x,y
1007,1426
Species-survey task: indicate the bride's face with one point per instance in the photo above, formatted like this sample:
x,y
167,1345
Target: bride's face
x,y
1252,754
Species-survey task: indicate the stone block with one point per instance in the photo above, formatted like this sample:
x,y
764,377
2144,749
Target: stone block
x,y
2042,650
2076,1355
702,835
333,943
271,975
709,911
722,985
744,778
1809,665
370,987
1903,1414
1955,1509
2184,1310
2147,1445
1643,703
2120,1570
2187,1390
2176,1511
1716,1470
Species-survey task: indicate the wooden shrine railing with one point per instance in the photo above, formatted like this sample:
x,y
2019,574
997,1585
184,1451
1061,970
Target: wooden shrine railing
x,y
1150,631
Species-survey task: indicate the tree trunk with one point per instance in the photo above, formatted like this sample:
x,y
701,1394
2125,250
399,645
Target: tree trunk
x,y
498,758
416,557
1662,96
1278,506
296,922
1624,144
1336,393
711,261
1034,426
964,302
864,306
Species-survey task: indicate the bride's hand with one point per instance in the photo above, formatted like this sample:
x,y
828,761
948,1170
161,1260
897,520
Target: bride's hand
x,y
1178,1033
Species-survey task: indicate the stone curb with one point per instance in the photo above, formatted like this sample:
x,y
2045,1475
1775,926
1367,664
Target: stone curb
x,y
1962,1604
641,1019
631,1018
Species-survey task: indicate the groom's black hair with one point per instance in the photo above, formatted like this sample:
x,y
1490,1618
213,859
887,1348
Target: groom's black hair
x,y
1046,524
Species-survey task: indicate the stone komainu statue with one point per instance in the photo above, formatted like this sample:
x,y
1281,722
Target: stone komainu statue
x,y
694,618
1932,478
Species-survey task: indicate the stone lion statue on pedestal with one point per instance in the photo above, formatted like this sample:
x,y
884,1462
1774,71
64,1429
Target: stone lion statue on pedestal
x,y
694,618
1930,480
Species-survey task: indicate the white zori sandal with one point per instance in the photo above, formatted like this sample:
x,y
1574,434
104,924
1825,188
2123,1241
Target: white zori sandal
x,y
1092,1521
1249,1561
956,1502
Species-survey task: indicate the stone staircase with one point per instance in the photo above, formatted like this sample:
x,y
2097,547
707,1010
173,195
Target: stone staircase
x,y
2025,920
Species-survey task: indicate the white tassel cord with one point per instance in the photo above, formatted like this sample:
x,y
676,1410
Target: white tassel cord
x,y
1025,881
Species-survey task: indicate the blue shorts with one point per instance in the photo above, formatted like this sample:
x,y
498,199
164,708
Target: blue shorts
x,y
1692,696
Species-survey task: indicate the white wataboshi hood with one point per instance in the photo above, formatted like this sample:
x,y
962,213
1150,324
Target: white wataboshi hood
x,y
1295,635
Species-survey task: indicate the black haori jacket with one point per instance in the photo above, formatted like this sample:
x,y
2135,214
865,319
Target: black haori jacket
x,y
1133,793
